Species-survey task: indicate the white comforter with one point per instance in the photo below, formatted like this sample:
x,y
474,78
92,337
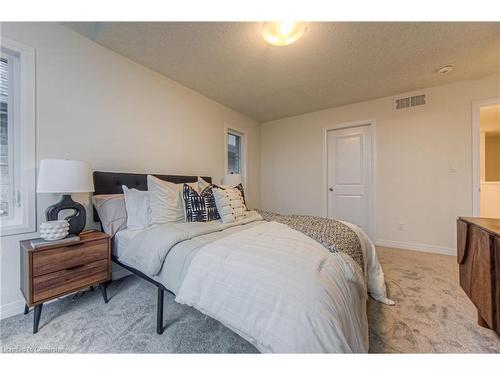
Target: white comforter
x,y
283,291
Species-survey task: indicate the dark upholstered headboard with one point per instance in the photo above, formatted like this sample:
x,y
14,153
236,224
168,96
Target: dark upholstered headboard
x,y
111,182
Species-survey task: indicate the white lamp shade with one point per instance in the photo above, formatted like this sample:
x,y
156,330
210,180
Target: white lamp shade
x,y
64,176
232,179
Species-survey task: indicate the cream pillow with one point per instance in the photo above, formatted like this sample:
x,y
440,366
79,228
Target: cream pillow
x,y
111,211
138,208
230,204
165,201
202,184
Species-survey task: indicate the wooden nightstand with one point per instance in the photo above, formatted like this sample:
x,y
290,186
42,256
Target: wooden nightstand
x,y
478,252
56,270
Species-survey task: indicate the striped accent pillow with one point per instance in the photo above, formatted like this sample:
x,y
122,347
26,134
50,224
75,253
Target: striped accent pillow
x,y
199,206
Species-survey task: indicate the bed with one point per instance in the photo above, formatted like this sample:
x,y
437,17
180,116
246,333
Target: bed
x,y
273,279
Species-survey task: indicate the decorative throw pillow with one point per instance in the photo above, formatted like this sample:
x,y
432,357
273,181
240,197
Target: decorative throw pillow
x,y
239,187
199,206
230,204
137,206
165,200
111,211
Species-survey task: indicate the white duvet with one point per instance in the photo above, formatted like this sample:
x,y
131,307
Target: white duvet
x,y
283,291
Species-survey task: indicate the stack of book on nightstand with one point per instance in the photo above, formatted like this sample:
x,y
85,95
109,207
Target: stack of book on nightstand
x,y
40,242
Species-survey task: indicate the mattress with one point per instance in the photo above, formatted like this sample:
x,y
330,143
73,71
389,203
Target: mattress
x,y
122,239
179,257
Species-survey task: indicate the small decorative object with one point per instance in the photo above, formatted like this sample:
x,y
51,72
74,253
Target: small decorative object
x,y
54,230
231,179
66,177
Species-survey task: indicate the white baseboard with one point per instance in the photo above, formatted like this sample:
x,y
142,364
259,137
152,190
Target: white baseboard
x,y
417,247
11,309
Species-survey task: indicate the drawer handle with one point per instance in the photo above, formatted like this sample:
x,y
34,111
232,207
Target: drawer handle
x,y
70,244
75,267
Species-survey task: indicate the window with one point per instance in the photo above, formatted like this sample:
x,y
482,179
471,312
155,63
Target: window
x,y
233,153
17,138
5,132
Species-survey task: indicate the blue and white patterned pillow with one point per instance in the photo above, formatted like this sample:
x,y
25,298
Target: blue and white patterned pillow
x,y
199,206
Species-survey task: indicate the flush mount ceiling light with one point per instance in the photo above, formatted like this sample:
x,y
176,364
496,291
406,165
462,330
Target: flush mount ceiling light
x,y
283,33
445,69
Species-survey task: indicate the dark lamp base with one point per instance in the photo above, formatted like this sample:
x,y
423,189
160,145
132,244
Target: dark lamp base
x,y
76,220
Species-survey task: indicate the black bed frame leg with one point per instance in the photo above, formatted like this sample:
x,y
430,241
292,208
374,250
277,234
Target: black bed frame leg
x,y
159,312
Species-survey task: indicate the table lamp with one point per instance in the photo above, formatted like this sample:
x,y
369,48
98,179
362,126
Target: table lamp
x,y
66,177
231,179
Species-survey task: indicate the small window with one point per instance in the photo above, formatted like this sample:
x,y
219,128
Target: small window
x,y
6,201
233,153
17,139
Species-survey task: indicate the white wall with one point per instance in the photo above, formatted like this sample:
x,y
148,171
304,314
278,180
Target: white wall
x,y
95,105
490,199
423,163
482,155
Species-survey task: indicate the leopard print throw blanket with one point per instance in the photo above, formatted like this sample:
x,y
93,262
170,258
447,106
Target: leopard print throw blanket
x,y
332,234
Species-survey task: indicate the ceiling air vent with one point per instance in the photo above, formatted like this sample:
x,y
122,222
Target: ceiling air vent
x,y
408,101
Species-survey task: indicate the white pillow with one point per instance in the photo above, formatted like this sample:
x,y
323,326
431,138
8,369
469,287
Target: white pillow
x,y
167,205
202,184
137,206
112,212
230,204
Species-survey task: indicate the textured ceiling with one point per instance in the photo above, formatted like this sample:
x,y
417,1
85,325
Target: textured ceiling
x,y
335,63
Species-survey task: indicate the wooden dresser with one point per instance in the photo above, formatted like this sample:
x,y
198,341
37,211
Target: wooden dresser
x,y
59,269
478,252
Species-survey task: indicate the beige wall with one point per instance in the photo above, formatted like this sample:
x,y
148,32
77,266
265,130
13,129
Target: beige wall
x,y
492,158
482,155
95,105
423,163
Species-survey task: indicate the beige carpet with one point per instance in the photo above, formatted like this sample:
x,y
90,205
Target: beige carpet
x,y
432,314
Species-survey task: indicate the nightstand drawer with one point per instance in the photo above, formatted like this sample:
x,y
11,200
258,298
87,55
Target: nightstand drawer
x,y
67,280
61,258
59,269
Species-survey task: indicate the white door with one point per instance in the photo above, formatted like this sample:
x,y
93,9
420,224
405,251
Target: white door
x,y
350,175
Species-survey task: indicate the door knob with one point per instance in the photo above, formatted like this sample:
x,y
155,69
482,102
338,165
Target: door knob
x,y
331,189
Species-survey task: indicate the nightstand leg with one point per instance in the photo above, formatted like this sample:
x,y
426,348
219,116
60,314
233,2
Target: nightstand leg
x,y
26,309
36,318
159,312
104,293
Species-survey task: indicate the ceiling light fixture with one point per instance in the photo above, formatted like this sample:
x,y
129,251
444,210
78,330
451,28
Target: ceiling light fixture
x,y
283,33
445,69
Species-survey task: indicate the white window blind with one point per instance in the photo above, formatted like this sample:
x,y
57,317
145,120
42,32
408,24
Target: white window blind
x,y
6,183
17,138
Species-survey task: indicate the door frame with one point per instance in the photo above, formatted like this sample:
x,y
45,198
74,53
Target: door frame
x,y
476,149
372,206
